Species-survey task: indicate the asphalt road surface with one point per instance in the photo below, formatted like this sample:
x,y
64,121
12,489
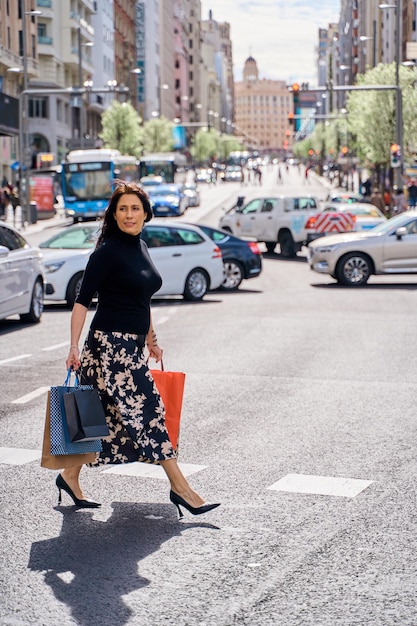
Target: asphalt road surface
x,y
298,416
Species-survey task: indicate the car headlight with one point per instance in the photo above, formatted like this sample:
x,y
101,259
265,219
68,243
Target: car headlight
x,y
50,268
325,249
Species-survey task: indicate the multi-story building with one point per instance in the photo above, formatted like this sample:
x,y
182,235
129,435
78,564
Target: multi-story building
x,y
217,85
125,46
261,110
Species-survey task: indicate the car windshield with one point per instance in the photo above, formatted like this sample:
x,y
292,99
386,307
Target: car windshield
x,y
73,239
392,224
164,191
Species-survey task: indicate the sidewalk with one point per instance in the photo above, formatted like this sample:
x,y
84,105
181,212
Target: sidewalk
x,y
16,220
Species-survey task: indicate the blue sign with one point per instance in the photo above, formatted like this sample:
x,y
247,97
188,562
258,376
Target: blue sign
x,y
179,136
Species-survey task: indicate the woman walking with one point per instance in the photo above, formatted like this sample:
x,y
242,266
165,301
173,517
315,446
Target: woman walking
x,y
120,271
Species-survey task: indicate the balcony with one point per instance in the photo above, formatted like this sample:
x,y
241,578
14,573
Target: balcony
x,y
48,41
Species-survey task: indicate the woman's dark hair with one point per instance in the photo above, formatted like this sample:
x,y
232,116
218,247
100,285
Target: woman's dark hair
x,y
121,187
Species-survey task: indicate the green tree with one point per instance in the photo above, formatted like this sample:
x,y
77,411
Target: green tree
x,y
206,145
372,114
121,129
158,135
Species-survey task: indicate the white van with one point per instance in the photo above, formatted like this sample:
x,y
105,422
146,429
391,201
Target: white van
x,y
273,220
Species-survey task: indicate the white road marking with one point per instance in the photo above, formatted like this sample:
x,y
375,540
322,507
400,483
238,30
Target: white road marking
x,y
15,358
321,485
146,470
163,320
19,456
56,346
30,396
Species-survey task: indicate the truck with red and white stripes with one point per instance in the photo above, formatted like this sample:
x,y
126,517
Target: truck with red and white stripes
x,y
343,218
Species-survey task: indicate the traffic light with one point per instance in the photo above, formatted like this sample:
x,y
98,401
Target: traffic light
x,y
295,88
395,155
291,118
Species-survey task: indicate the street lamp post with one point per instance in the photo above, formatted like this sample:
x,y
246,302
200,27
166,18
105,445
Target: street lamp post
x,y
23,114
88,44
164,87
398,98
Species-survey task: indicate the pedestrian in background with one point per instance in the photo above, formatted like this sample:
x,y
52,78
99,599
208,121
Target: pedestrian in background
x,y
399,200
377,200
113,358
412,194
387,201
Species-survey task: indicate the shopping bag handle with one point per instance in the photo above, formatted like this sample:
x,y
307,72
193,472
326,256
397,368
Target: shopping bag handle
x,y
67,382
161,362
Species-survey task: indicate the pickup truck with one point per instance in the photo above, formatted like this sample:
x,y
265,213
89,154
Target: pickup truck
x,y
272,220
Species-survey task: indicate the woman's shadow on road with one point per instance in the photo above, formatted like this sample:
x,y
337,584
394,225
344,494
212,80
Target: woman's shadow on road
x,y
93,564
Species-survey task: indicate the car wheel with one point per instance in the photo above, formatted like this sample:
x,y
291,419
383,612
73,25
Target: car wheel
x,y
233,275
36,305
73,289
286,243
196,285
353,269
270,245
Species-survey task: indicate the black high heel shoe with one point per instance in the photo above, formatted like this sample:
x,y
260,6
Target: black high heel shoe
x,y
82,504
177,500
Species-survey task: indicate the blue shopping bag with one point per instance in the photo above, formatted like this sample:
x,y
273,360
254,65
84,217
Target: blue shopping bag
x,y
60,438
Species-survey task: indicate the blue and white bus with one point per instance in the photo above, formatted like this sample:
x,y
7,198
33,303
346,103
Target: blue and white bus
x,y
171,166
87,180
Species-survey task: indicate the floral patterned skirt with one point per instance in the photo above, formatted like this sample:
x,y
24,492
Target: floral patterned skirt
x,y
116,365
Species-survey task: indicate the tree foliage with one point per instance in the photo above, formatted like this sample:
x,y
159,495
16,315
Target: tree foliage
x,y
209,145
158,135
372,114
121,129
368,128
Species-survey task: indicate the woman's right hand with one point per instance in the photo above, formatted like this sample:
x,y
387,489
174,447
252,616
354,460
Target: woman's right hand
x,y
73,359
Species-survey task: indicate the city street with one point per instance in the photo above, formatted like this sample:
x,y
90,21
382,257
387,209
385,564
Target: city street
x,y
298,417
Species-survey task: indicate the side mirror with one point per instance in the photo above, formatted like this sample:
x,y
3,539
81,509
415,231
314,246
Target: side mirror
x,y
4,251
401,232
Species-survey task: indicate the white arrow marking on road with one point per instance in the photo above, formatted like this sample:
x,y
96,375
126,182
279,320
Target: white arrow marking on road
x,y
15,358
30,396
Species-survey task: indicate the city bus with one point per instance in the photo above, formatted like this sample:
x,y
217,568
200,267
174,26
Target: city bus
x,y
171,166
87,180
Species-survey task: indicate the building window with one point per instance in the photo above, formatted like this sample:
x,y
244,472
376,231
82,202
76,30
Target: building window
x,y
38,107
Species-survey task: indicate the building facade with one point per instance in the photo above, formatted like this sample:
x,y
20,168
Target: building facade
x,y
261,110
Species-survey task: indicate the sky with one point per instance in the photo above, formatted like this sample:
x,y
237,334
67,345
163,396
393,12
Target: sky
x,y
281,35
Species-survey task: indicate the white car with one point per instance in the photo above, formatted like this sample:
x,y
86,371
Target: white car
x,y
21,277
192,193
351,258
189,262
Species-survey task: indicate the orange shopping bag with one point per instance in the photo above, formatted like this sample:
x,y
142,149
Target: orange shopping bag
x,y
171,389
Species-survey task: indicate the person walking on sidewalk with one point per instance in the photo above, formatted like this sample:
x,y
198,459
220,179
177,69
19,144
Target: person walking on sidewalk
x,y
113,358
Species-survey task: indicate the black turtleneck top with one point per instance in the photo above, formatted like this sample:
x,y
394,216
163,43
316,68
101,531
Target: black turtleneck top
x,y
123,275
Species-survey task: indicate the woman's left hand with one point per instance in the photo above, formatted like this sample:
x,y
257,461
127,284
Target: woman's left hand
x,y
155,352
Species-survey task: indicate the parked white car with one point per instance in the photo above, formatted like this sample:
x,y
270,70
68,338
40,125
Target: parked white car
x,y
21,277
189,262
